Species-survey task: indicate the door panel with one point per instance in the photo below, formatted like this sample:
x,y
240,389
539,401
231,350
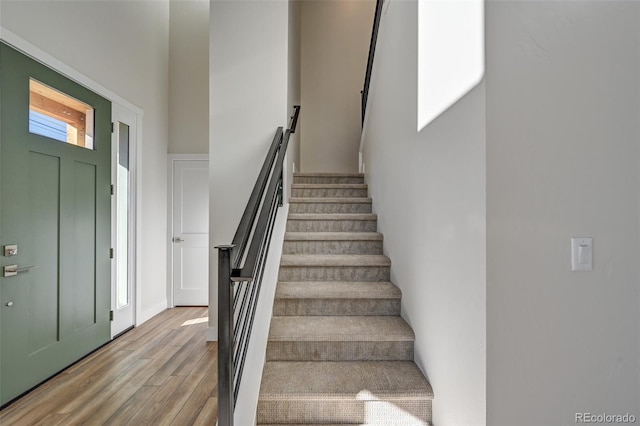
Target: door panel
x,y
44,175
191,232
55,205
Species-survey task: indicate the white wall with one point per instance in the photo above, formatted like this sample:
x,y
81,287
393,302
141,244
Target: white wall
x,y
335,44
189,77
293,152
248,102
428,189
562,162
123,47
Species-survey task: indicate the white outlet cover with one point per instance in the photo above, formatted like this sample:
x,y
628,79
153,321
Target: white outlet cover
x,y
581,254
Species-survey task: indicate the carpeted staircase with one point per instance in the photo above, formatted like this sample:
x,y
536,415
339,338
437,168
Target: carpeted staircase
x,y
338,352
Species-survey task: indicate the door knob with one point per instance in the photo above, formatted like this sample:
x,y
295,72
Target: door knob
x,y
9,304
11,270
177,240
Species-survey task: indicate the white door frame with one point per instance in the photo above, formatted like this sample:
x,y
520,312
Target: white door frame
x,y
43,57
128,117
170,195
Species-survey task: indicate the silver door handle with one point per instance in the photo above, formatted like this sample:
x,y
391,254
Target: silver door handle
x,y
177,240
11,270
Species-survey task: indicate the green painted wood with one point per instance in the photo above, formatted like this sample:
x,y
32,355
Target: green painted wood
x,y
55,204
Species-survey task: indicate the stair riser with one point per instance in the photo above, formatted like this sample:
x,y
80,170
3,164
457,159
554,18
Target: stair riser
x,y
330,207
328,179
334,273
332,247
378,412
331,307
331,225
329,192
340,351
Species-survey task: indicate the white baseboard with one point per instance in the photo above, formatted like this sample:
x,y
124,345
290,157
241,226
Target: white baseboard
x,y
151,312
212,334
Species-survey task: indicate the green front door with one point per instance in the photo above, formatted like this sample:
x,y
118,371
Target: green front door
x,y
55,211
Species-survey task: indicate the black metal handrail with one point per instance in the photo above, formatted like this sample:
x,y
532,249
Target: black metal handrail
x,y
372,53
240,271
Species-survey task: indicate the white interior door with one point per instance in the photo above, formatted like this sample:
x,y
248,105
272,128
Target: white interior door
x,y
123,219
190,232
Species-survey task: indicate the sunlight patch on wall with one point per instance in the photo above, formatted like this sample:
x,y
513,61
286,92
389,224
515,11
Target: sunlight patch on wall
x,y
450,54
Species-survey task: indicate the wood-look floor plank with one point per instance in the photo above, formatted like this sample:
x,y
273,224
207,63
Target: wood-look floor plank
x,y
158,373
209,413
179,357
158,401
53,420
114,395
131,406
198,398
180,397
68,392
195,358
81,408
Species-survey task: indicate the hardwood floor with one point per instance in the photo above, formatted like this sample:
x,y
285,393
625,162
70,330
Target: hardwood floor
x,y
161,373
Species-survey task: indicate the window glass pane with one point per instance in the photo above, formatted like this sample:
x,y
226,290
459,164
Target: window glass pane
x,y
57,116
123,190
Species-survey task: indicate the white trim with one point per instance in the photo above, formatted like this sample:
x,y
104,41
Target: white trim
x,y
50,61
212,334
151,312
137,159
120,113
172,158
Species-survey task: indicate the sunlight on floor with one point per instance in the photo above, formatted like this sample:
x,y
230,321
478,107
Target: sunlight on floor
x,y
195,321
383,413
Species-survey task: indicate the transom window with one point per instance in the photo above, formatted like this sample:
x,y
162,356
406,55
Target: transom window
x,y
58,116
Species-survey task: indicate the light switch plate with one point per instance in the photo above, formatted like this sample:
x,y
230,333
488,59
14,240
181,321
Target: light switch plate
x,y
581,254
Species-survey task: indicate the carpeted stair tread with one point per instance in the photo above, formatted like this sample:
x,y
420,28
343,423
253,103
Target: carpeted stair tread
x,y
340,328
399,423
337,290
333,216
333,236
332,222
328,178
329,190
338,260
323,298
389,380
329,186
329,200
326,174
330,205
334,267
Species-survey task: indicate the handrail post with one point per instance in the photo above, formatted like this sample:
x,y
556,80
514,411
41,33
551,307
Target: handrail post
x,y
225,337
